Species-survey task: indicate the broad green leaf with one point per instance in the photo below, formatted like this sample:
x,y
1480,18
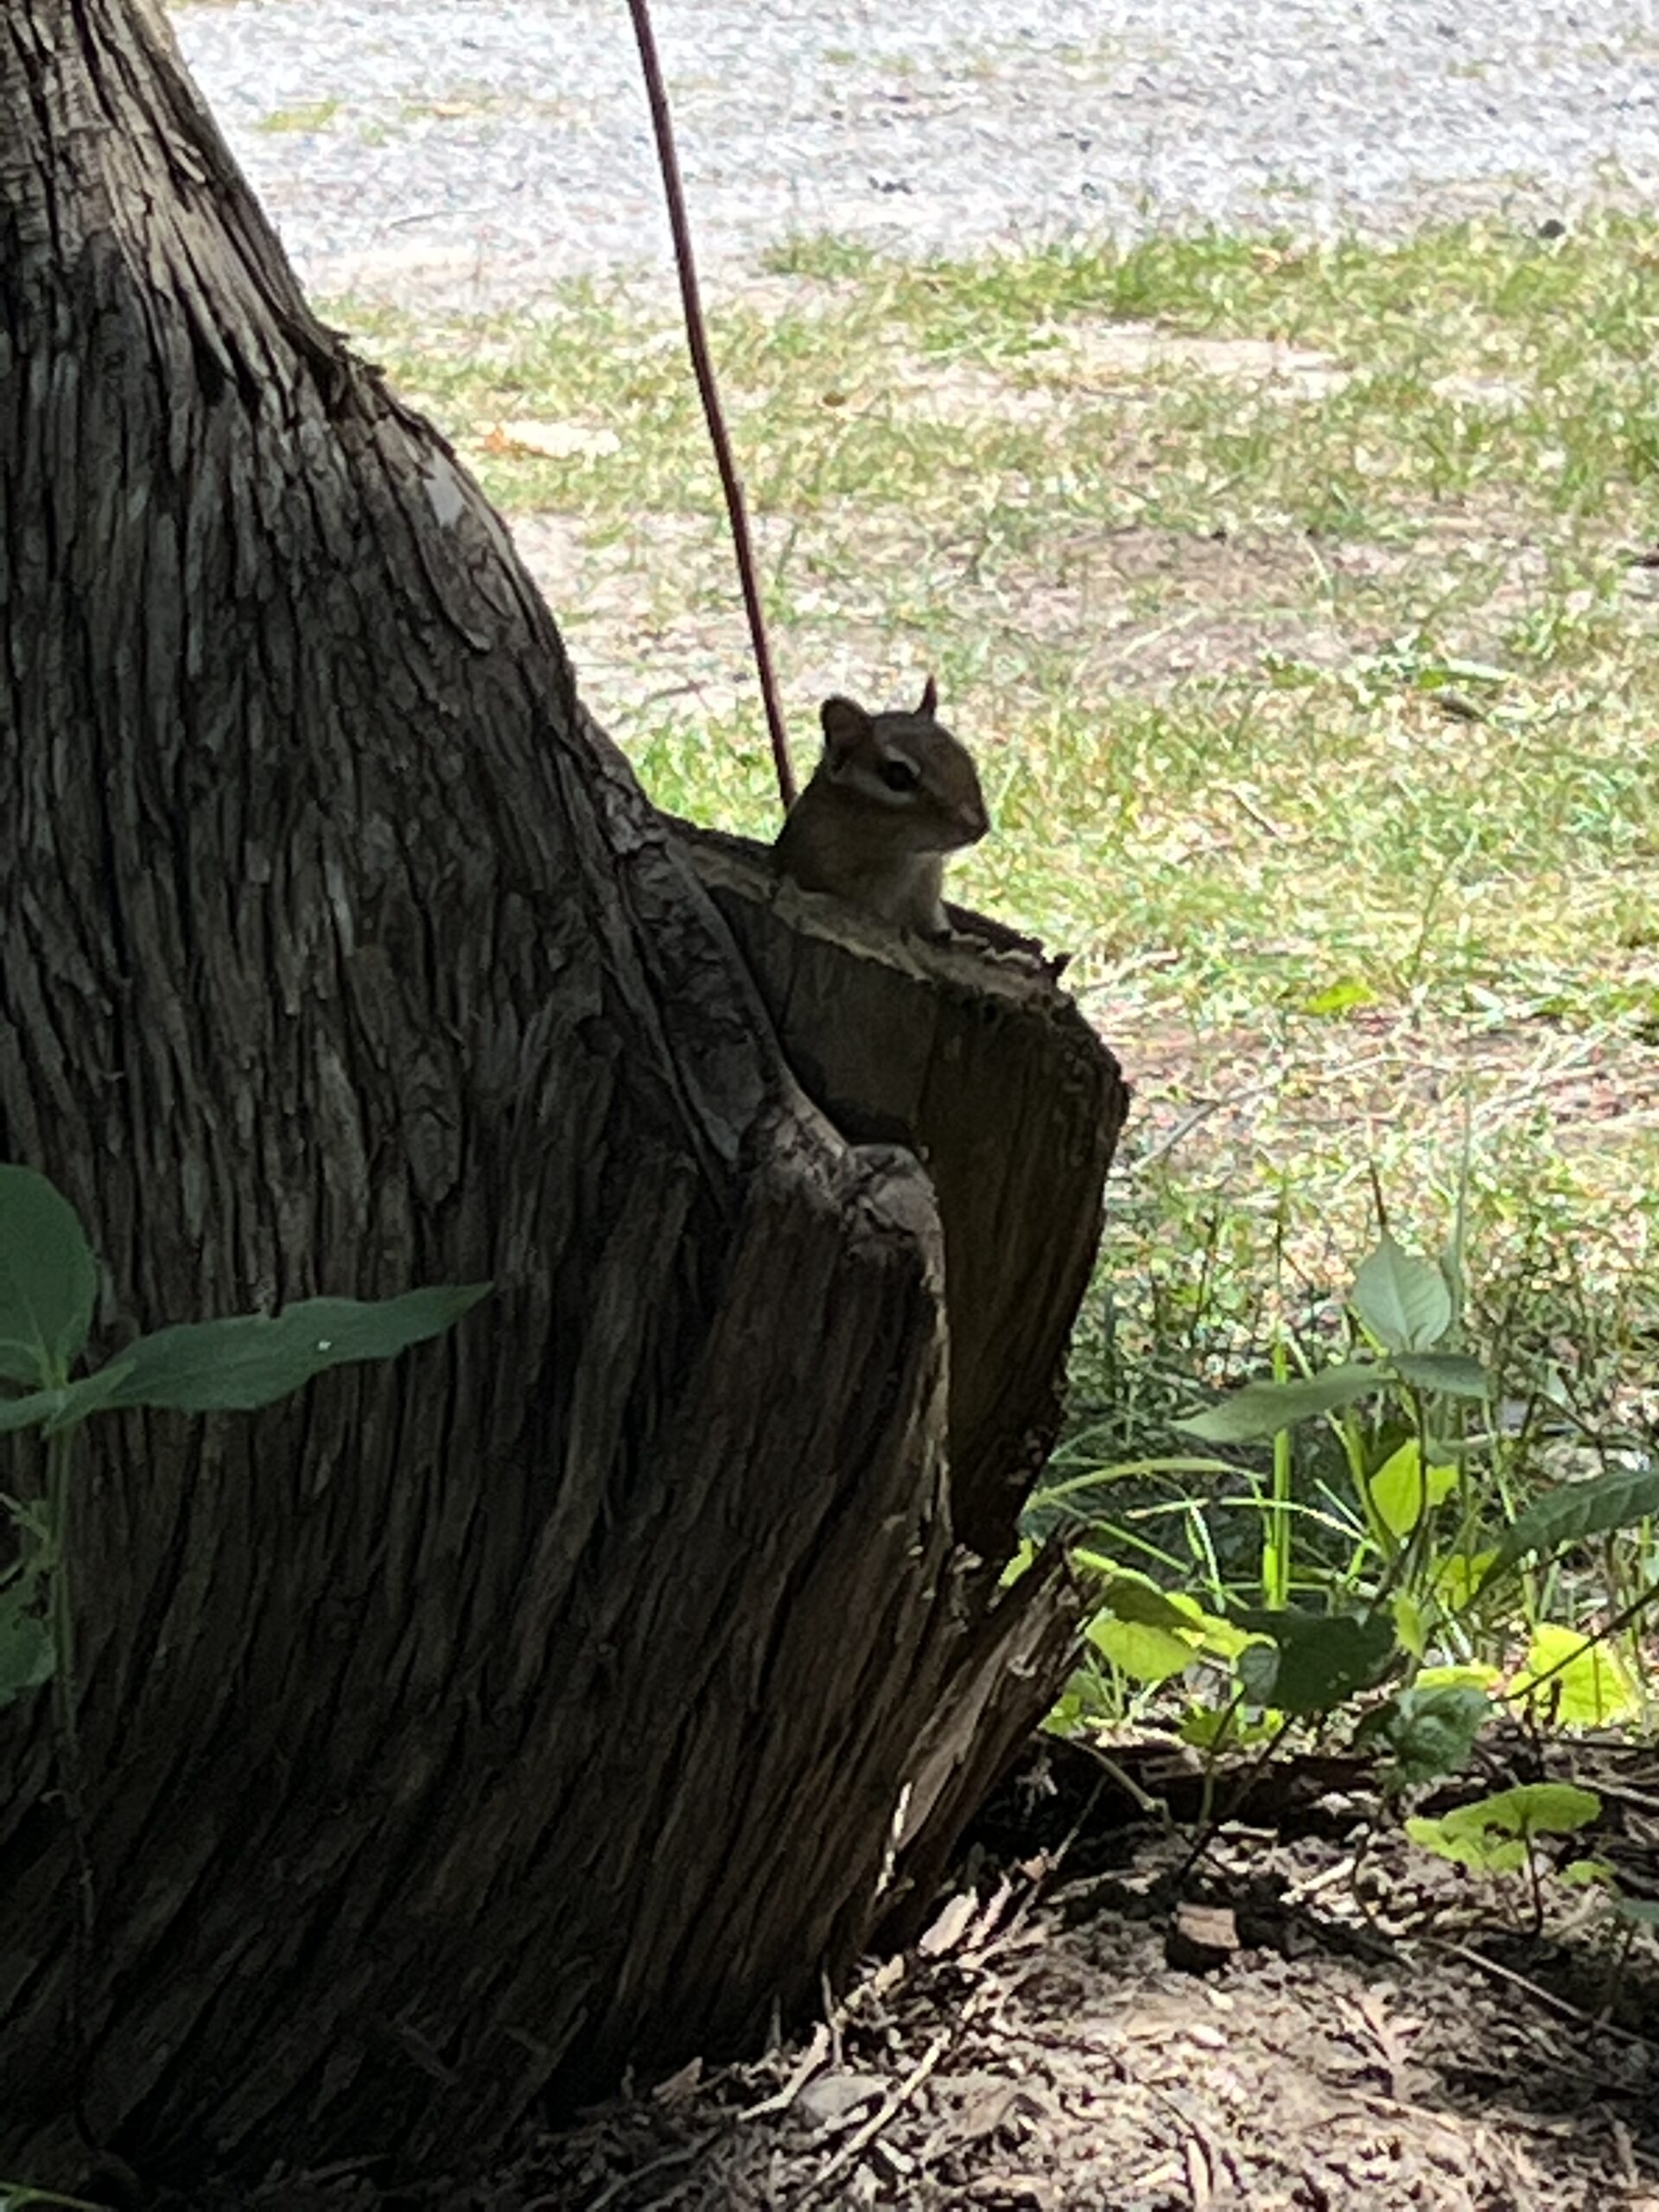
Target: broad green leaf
x,y
48,1280
1567,1515
1340,997
55,1409
1150,1655
1133,1597
1644,1911
1066,1717
1402,1485
1586,1873
1583,1685
1323,1658
1480,1849
1257,1668
1429,1733
235,1365
1404,1302
1410,1623
1469,1674
1453,1374
1259,1410
1532,1809
1213,1727
1221,1639
26,1655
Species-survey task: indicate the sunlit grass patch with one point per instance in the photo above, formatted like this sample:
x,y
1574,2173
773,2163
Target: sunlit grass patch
x,y
1287,593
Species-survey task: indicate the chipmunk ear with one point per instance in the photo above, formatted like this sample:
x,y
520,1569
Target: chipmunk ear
x,y
845,726
930,705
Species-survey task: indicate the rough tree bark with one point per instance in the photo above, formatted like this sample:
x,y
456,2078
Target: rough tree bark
x,y
466,1729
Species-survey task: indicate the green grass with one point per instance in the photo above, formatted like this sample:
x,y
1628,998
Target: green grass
x,y
1316,708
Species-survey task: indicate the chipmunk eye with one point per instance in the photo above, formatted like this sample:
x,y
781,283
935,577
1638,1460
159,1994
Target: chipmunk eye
x,y
899,776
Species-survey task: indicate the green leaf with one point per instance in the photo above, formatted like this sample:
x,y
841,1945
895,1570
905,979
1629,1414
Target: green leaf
x,y
1428,1732
1210,1728
48,1280
1150,1655
1340,997
233,1366
1533,1809
1586,1873
1323,1658
1404,1302
26,1655
1471,1675
1583,1685
1131,1597
1452,1373
1257,1668
1066,1717
1134,1598
1578,1509
55,1409
1411,1623
1401,1488
1261,1409
1486,1852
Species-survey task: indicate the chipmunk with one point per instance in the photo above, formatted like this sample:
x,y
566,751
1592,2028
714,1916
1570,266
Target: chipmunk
x,y
892,794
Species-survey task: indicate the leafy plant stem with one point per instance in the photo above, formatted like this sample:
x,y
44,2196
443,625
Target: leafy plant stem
x,y
1404,1559
1275,1562
1210,1821
1535,1883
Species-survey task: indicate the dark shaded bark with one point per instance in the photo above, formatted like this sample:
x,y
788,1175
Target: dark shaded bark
x,y
553,1699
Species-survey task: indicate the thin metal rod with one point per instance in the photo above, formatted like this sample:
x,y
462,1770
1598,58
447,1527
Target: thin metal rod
x,y
696,339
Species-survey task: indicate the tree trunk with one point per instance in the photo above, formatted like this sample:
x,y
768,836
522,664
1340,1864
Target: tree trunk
x,y
558,1698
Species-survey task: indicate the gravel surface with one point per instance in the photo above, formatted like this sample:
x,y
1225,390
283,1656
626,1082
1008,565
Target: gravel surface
x,y
484,148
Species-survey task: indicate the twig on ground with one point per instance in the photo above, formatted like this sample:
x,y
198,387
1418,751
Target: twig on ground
x,y
1562,2006
893,2103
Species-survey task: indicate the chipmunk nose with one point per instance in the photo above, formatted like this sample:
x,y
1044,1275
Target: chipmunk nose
x,y
974,818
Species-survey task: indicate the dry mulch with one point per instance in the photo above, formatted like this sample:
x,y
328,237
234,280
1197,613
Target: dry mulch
x,y
1332,2019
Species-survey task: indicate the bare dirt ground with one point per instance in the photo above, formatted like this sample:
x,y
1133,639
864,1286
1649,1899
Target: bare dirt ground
x,y
1345,2022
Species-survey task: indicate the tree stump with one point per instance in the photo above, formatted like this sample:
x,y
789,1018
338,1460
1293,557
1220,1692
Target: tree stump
x,y
969,1053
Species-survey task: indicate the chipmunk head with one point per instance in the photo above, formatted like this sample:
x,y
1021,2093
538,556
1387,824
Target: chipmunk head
x,y
916,782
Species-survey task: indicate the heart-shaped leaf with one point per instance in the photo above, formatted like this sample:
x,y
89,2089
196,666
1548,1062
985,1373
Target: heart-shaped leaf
x,y
26,1654
48,1280
1403,1488
1406,1303
1323,1658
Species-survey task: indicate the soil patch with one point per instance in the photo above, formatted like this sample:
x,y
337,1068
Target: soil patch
x,y
1372,2032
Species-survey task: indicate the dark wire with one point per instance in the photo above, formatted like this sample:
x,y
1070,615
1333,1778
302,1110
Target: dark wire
x,y
696,339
